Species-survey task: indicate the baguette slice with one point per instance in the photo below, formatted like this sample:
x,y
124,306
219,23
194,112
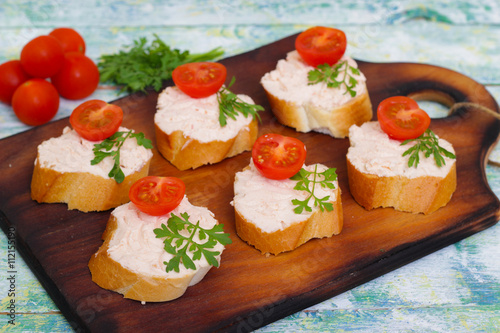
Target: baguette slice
x,y
63,173
306,107
130,261
188,133
264,213
379,175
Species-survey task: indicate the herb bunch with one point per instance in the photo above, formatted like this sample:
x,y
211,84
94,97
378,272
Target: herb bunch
x,y
141,65
181,246
230,105
335,76
325,179
427,143
105,149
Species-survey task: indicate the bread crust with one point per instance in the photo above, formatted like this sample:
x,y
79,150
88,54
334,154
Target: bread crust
x,y
109,274
78,189
423,194
188,153
318,225
334,121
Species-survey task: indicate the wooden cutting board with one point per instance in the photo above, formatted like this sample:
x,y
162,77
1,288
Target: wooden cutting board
x,y
250,290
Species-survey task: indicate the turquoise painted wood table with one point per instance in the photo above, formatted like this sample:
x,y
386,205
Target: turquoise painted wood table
x,y
456,289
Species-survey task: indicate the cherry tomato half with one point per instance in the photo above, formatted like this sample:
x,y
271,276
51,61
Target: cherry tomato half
x,y
401,118
35,102
78,77
12,75
277,156
42,57
96,120
199,79
70,39
320,45
157,196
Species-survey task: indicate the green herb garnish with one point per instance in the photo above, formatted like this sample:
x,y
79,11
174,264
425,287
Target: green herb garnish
x,y
325,179
104,149
142,65
230,105
181,246
330,75
428,143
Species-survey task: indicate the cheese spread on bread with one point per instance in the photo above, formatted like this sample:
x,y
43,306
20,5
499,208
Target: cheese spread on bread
x,y
289,82
72,153
197,118
268,203
134,244
373,152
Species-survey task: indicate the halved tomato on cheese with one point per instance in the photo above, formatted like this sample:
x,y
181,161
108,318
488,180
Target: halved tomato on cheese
x,y
277,156
401,118
96,120
199,79
156,195
321,45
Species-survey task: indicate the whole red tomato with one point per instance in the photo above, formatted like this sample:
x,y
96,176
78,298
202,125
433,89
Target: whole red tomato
x,y
42,57
78,77
35,102
70,39
12,76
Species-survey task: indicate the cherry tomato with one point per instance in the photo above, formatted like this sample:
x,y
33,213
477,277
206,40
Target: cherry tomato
x,y
78,77
199,79
320,45
157,196
42,57
35,102
277,156
70,39
96,120
12,75
401,118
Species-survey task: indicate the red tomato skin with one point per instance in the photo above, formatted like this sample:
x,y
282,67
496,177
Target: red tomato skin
x,y
42,57
401,118
157,196
78,77
199,79
12,75
35,102
269,150
320,45
70,39
96,120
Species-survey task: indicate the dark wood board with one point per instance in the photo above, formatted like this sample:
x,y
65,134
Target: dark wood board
x,y
250,290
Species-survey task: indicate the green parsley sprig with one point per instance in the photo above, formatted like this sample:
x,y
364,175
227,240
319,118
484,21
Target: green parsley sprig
x,y
105,149
427,143
335,76
141,65
325,179
230,105
181,246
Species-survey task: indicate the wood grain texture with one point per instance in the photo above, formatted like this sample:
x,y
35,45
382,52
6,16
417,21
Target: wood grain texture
x,y
250,290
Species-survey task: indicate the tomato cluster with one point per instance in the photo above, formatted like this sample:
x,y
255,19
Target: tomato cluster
x,y
50,66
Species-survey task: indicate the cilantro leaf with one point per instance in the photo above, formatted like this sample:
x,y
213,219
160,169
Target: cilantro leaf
x,y
330,75
325,179
180,246
428,144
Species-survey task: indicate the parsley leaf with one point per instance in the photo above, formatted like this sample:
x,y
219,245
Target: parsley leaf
x,y
427,143
325,179
230,105
330,75
180,246
104,149
141,65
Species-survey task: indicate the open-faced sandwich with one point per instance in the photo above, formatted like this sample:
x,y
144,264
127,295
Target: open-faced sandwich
x,y
279,202
200,121
399,162
92,166
157,245
317,87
